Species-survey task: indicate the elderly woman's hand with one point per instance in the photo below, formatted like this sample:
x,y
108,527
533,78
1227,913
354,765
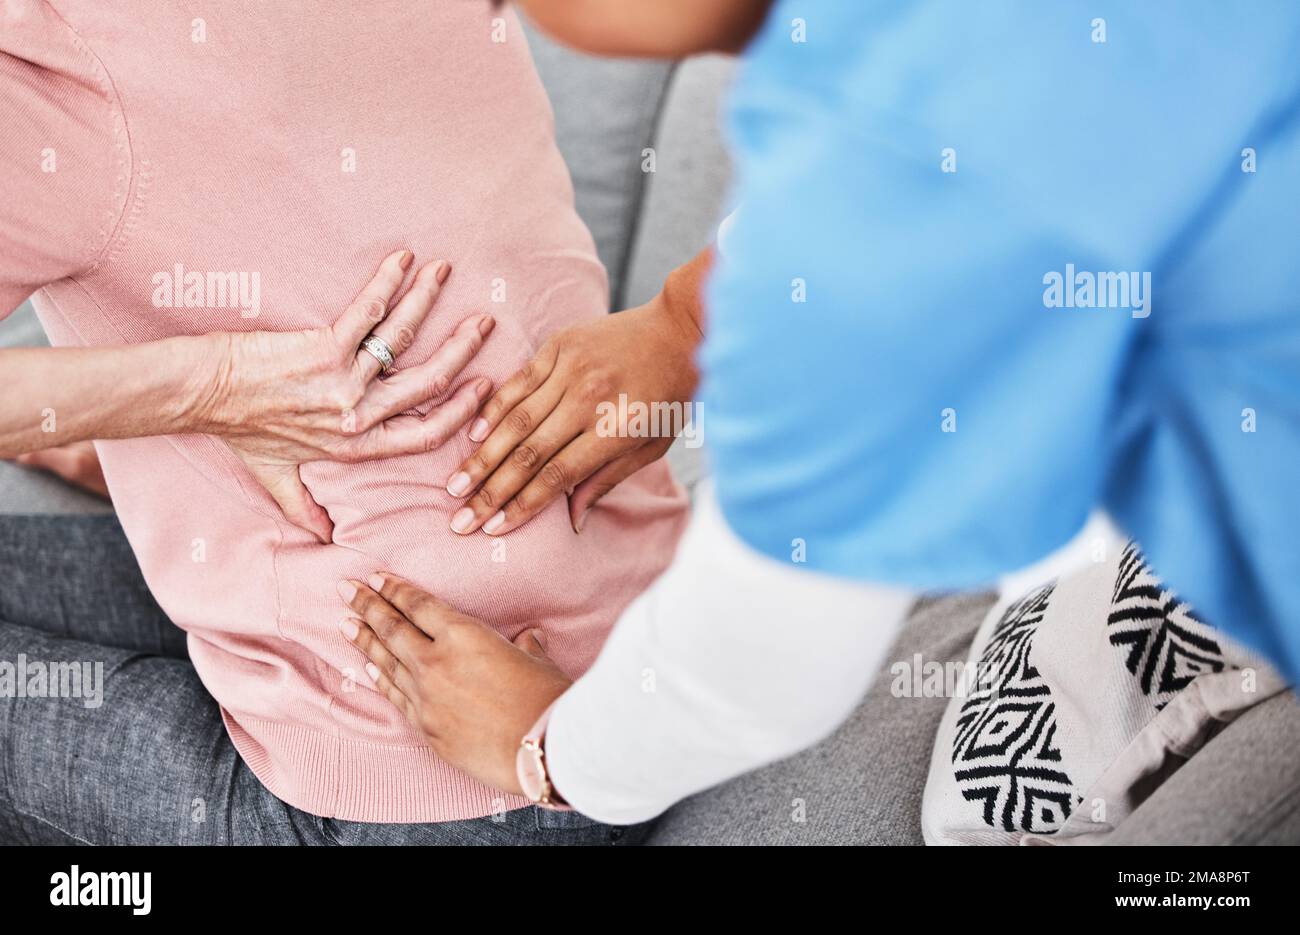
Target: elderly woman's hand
x,y
285,398
472,693
545,432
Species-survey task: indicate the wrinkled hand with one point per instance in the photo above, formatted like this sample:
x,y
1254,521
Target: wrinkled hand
x,y
542,430
78,464
469,690
285,398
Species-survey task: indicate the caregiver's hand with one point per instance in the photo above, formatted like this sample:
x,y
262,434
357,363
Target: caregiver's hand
x,y
542,431
285,398
472,693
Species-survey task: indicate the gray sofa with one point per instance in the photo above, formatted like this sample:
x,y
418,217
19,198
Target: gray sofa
x,y
864,784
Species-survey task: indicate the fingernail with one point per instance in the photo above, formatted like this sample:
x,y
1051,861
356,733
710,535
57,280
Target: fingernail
x,y
404,261
461,521
444,270
350,629
372,670
458,484
495,523
540,637
582,520
479,430
486,324
376,582
347,590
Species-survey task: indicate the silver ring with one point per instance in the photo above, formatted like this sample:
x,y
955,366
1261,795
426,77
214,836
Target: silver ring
x,y
378,348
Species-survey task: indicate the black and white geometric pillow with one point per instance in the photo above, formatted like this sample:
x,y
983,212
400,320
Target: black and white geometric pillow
x,y
1165,644
1004,752
1011,762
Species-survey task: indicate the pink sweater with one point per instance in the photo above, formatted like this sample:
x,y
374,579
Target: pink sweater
x,y
303,145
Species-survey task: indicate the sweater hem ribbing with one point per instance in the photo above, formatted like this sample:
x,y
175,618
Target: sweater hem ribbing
x,y
352,780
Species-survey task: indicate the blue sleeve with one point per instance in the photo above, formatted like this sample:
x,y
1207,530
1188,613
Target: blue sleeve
x,y
895,393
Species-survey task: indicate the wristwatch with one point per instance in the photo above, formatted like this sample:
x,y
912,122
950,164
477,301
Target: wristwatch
x,y
530,768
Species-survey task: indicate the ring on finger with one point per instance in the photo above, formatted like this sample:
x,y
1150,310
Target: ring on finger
x,y
380,350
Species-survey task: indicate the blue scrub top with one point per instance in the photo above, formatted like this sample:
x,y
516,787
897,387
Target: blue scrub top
x,y
919,367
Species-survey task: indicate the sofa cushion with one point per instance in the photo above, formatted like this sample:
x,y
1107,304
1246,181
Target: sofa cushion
x,y
21,329
683,200
1243,787
684,196
605,115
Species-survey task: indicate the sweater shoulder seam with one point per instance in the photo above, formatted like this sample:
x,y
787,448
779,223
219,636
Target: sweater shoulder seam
x,y
124,181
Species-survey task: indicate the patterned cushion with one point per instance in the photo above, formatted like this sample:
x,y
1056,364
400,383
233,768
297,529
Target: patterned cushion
x,y
1078,699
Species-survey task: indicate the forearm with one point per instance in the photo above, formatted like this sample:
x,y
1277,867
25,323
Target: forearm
x,y
654,28
730,661
56,396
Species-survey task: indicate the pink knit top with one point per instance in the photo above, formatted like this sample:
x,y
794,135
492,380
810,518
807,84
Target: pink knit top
x,y
302,143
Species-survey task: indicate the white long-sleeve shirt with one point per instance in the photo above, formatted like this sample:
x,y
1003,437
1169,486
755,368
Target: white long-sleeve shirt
x,y
730,661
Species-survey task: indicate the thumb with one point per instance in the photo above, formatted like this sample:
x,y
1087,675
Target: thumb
x,y
532,642
284,484
601,482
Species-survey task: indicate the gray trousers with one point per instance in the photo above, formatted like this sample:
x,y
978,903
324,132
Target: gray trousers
x,y
149,762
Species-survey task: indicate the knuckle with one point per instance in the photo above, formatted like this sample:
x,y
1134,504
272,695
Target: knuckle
x,y
479,466
372,309
595,387
465,404
440,384
525,456
338,399
432,440
527,373
384,626
344,396
468,332
484,500
352,450
555,476
425,721
434,652
425,654
364,420
550,351
453,634
492,411
403,339
413,717
519,420
412,599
